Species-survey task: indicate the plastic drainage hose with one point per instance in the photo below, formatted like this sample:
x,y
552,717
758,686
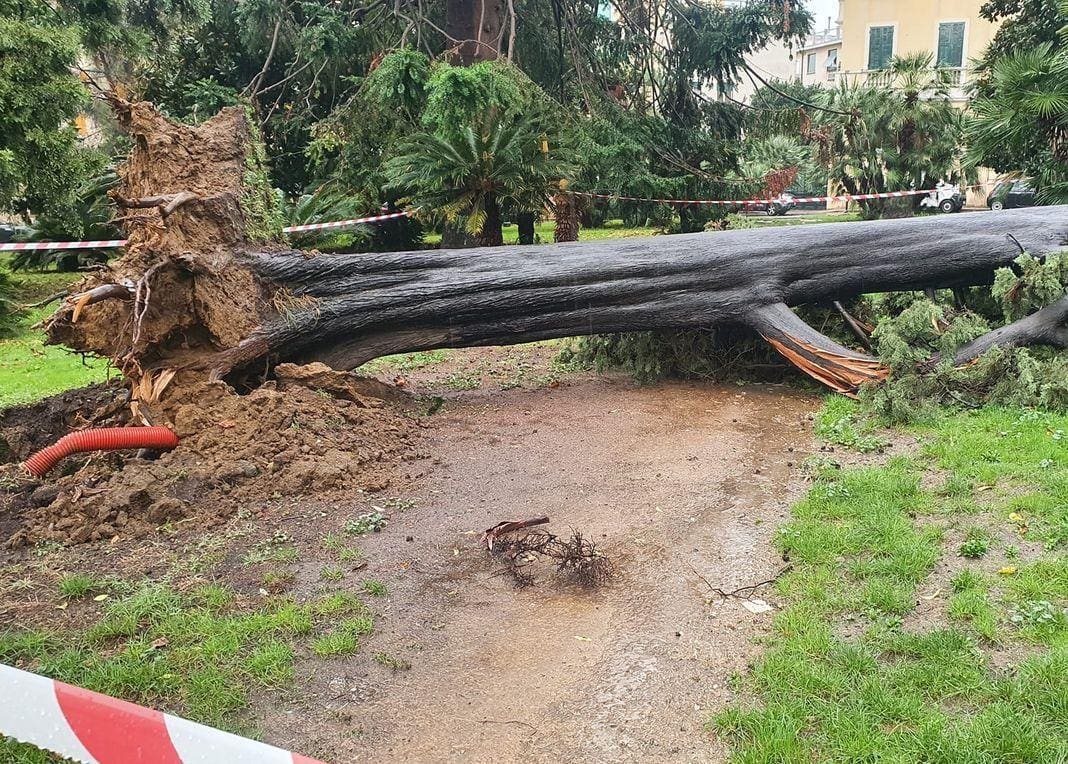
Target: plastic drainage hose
x,y
100,439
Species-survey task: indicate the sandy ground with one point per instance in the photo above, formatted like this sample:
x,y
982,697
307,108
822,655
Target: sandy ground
x,y
682,485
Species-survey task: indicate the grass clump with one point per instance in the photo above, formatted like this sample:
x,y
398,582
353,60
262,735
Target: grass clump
x,y
976,543
79,585
374,588
391,661
970,604
345,638
839,422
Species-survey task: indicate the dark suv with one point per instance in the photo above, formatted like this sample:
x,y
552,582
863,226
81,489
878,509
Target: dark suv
x,y
1008,194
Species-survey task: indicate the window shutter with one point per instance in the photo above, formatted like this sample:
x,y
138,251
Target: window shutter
x,y
951,44
880,47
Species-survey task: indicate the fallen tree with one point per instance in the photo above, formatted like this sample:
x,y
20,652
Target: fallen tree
x,y
206,287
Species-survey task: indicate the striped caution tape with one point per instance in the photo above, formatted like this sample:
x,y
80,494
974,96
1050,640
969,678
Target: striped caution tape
x,y
20,246
344,223
95,729
744,202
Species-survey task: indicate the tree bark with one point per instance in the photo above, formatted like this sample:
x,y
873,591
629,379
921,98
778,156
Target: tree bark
x,y
203,290
1048,326
364,306
567,218
475,30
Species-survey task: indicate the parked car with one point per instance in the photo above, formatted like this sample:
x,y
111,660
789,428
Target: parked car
x,y
945,197
1009,194
11,232
780,205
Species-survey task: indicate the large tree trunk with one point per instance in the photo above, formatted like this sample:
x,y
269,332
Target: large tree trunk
x,y
198,289
475,29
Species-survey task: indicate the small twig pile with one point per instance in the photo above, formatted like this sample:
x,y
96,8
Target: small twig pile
x,y
576,558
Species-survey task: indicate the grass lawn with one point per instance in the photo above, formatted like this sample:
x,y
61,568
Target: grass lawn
x,y
30,370
543,232
974,527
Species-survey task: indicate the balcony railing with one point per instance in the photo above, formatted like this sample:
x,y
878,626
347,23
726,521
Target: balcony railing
x,y
956,78
824,38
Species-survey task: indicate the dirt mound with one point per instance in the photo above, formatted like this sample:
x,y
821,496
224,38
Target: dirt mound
x,y
309,432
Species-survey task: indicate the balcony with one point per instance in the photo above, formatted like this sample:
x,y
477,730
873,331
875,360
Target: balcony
x,y
827,37
957,77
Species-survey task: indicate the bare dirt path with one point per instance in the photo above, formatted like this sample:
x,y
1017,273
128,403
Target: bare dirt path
x,y
675,482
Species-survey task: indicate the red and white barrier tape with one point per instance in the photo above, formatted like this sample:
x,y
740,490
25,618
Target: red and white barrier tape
x,y
743,202
343,223
20,246
95,729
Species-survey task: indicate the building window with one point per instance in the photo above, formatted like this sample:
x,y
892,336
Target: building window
x,y
951,44
832,60
811,64
880,47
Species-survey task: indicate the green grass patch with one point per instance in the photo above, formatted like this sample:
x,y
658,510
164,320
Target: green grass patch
x,y
78,585
861,543
29,369
199,654
1021,456
839,422
970,604
391,661
976,543
406,361
345,638
374,588
805,219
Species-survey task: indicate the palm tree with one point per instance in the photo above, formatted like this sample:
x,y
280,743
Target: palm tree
x,y
88,217
902,132
476,176
1023,125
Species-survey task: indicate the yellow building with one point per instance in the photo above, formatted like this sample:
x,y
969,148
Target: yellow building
x,y
873,31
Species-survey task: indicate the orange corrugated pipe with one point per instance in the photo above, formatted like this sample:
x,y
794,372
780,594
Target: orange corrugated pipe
x,y
100,439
